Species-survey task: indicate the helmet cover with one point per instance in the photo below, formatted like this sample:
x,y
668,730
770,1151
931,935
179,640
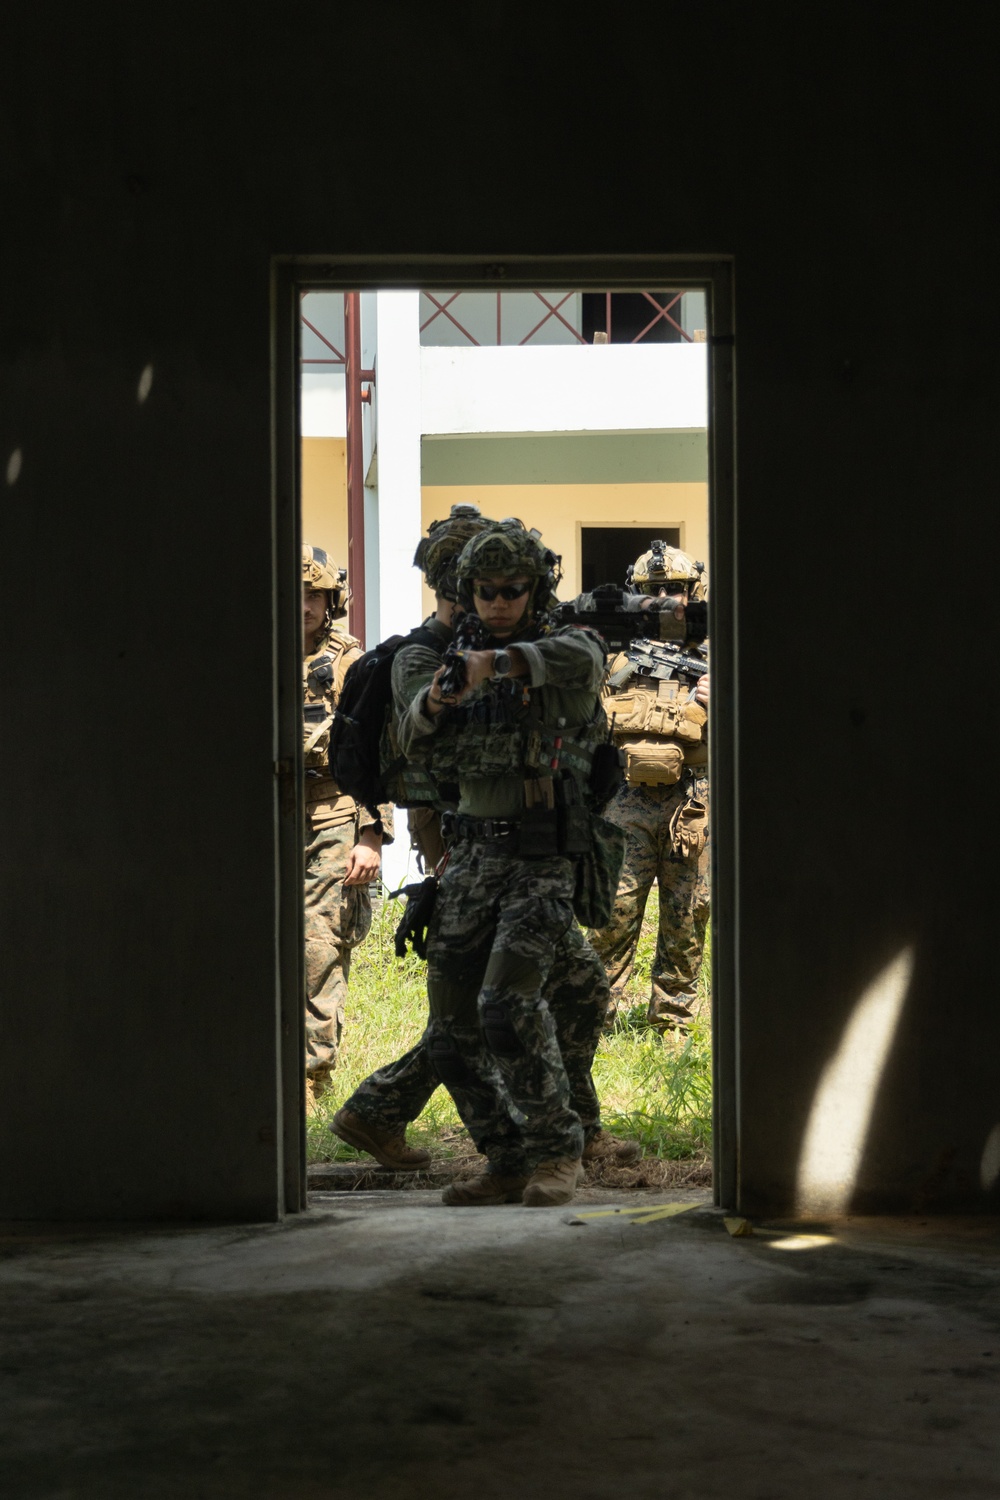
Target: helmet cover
x,y
319,571
662,565
508,550
437,551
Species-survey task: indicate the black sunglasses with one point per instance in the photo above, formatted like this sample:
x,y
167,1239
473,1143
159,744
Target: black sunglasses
x,y
671,586
509,591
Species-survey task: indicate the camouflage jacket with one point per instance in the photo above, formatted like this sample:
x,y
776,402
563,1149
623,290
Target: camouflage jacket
x,y
510,729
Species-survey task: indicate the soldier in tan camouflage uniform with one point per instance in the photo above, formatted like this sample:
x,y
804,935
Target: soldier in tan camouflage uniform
x,y
343,841
663,809
505,954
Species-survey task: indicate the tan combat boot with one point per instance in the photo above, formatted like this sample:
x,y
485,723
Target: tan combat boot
x,y
316,1086
387,1146
481,1192
603,1146
553,1182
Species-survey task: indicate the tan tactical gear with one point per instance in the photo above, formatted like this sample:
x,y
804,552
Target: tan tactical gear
x,y
662,565
323,674
652,762
437,552
553,1182
388,1147
484,1191
659,726
319,571
508,550
689,828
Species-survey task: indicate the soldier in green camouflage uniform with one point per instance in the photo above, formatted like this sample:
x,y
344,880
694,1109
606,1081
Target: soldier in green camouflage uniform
x,y
343,842
375,1117
663,810
505,955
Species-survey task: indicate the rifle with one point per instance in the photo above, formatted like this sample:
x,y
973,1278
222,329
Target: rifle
x,y
659,661
470,635
619,626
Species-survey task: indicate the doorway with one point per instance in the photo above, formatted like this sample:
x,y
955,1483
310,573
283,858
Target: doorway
x,y
438,280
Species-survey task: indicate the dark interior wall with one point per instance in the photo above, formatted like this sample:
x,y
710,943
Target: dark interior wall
x,y
153,167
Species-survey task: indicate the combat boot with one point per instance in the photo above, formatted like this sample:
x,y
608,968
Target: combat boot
x,y
481,1192
317,1085
553,1182
387,1146
603,1146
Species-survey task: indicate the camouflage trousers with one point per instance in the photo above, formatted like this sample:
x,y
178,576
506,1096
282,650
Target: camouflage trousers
x,y
576,994
337,918
517,1003
645,812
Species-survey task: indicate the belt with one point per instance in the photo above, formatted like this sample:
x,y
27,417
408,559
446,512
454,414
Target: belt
x,y
458,826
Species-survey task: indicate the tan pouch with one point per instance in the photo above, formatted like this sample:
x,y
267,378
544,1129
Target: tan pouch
x,y
691,723
689,828
653,762
630,711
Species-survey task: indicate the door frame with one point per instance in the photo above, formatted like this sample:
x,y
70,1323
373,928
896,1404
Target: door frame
x,y
293,275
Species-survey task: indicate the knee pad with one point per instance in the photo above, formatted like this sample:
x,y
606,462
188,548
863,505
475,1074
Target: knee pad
x,y
498,1029
446,1060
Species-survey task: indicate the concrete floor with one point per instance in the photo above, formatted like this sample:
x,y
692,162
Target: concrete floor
x,y
384,1346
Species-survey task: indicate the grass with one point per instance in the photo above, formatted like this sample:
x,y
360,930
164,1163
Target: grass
x,y
655,1090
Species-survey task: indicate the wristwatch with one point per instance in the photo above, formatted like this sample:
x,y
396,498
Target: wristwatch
x,y
502,663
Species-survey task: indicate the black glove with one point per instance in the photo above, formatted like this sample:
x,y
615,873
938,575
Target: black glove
x,y
413,924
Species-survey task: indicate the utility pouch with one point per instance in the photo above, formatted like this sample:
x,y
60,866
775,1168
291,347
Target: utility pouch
x,y
538,832
574,830
598,872
691,723
689,828
653,763
606,774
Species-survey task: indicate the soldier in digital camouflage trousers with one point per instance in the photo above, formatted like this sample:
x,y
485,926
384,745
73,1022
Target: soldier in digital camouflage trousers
x,y
663,809
506,958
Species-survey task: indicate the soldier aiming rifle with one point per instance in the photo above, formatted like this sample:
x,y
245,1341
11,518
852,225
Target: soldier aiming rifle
x,y
656,697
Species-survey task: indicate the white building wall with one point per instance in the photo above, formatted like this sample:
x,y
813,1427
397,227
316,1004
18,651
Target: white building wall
x,y
585,388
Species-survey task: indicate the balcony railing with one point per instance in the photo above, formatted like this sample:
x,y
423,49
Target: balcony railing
x,y
517,318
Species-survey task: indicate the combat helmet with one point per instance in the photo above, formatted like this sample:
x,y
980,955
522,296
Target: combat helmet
x,y
319,571
663,565
437,552
506,549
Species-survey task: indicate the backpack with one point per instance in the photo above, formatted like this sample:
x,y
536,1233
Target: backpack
x,y
360,718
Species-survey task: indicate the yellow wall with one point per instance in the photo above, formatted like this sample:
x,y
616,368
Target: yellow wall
x,y
324,495
559,511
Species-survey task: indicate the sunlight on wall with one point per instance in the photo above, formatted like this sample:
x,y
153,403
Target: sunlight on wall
x,y
845,1098
989,1167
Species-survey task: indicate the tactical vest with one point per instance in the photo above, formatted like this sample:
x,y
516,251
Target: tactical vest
x,y
322,675
496,740
659,726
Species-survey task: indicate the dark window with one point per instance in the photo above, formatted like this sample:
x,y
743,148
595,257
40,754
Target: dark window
x,y
631,312
606,551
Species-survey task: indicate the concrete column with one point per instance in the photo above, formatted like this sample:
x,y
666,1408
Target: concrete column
x,y
398,496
